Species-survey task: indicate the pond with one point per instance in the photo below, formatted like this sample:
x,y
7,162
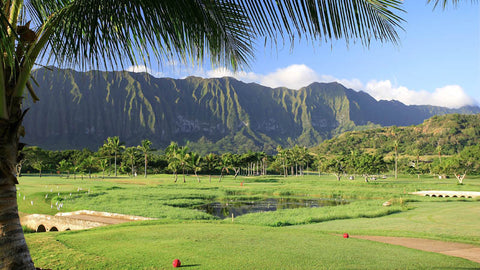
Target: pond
x,y
241,207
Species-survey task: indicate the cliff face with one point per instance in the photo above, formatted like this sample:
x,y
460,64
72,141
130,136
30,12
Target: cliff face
x,y
81,109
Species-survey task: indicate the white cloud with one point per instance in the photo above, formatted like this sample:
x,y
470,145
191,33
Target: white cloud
x,y
452,96
143,68
294,77
299,75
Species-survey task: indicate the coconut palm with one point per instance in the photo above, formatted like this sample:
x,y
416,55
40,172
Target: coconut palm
x,y
88,164
130,154
194,163
113,33
145,148
114,146
102,164
210,161
395,146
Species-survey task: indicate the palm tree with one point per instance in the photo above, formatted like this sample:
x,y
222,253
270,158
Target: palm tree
x,y
102,164
88,164
194,163
210,161
226,162
114,146
182,155
145,148
281,155
395,146
130,152
112,33
439,151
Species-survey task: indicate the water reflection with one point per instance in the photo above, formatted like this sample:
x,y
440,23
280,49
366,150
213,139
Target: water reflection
x,y
241,207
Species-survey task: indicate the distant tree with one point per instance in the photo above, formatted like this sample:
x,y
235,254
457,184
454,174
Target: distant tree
x,y
114,146
211,161
226,163
172,157
439,151
467,161
395,146
130,154
282,158
145,148
367,165
88,164
64,166
195,163
102,164
183,156
37,164
335,165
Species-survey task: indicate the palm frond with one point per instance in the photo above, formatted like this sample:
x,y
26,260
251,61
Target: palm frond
x,y
89,32
445,3
327,20
112,33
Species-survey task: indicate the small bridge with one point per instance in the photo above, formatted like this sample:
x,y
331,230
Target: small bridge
x,y
446,194
79,220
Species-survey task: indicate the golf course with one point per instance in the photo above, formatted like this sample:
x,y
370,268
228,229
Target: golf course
x,y
292,237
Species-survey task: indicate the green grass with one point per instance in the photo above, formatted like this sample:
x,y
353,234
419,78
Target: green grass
x,y
287,239
224,246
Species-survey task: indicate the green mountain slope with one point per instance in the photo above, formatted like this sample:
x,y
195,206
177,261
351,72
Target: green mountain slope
x,y
448,134
81,109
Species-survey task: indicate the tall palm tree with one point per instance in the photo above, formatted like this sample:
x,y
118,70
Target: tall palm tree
x,y
145,148
113,33
130,153
210,162
395,146
114,146
102,164
439,152
194,163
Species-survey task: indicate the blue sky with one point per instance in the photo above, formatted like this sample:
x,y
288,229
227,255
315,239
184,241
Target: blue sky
x,y
437,61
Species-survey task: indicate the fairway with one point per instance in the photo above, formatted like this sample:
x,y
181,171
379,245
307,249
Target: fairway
x,y
303,238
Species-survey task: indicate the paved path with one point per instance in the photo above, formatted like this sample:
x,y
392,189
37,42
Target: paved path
x,y
466,251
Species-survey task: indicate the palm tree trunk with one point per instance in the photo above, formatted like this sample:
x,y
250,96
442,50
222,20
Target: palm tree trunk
x,y
132,168
115,164
145,165
14,253
221,175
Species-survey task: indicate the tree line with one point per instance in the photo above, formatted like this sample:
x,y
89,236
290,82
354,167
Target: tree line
x,y
114,157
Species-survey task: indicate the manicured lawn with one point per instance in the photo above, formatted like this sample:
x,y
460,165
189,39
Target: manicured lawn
x,y
225,246
252,241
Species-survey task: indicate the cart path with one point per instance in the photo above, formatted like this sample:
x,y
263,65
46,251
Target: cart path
x,y
466,251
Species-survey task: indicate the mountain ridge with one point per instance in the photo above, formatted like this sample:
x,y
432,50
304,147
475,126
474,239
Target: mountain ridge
x,y
82,109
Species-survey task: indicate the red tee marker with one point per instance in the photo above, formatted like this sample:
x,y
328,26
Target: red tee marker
x,y
176,263
345,235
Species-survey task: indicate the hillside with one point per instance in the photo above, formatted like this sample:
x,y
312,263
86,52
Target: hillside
x,y
81,109
451,132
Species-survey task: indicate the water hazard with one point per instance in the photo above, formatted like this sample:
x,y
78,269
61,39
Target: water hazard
x,y
241,207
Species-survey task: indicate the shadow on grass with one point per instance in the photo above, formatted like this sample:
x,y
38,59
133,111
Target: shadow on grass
x,y
190,265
